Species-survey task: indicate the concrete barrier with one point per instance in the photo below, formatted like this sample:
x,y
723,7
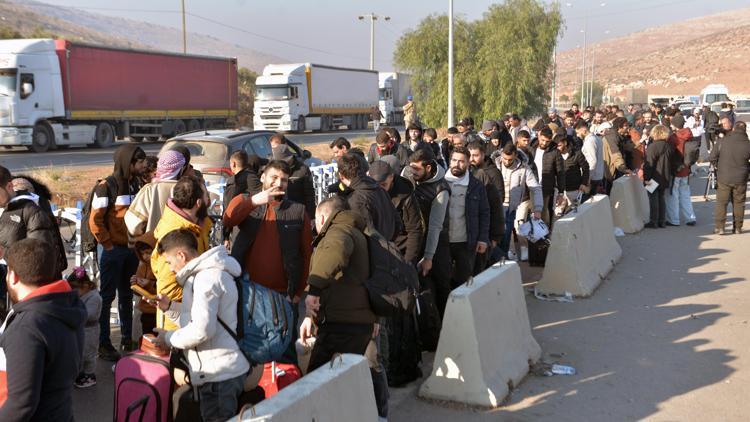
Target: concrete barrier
x,y
583,250
485,346
630,209
339,392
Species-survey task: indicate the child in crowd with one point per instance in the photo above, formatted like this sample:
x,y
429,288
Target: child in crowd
x,y
145,278
80,281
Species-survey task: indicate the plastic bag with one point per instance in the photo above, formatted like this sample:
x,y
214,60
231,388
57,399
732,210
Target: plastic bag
x,y
533,230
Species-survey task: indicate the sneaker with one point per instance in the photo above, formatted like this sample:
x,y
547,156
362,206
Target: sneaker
x,y
690,223
674,225
524,253
108,352
85,381
512,256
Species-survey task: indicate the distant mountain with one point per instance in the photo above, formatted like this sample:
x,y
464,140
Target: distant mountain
x,y
676,59
71,23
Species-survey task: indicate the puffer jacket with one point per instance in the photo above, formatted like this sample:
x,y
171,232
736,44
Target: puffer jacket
x,y
166,284
23,218
373,204
210,293
553,169
339,266
521,184
410,233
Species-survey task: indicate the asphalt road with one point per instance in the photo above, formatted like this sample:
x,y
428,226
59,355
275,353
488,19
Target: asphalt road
x,y
19,158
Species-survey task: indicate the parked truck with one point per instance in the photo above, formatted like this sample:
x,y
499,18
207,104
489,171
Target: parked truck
x,y
57,93
394,90
635,96
305,96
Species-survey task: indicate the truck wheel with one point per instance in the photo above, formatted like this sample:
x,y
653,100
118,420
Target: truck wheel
x,y
193,125
42,138
105,135
179,127
301,124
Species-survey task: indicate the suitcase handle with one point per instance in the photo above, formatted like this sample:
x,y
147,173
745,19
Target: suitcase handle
x,y
244,408
140,403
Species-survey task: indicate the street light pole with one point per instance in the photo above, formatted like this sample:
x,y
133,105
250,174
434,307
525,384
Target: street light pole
x,y
373,17
583,67
593,64
554,74
450,63
184,31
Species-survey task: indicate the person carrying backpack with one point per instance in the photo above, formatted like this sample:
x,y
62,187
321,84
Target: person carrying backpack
x,y
117,262
337,302
217,366
678,197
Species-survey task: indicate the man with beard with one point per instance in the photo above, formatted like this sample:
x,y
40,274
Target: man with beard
x,y
483,169
273,236
187,209
550,171
117,263
387,144
433,194
468,217
300,188
596,121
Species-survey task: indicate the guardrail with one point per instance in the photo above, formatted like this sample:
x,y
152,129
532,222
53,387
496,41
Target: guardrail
x,y
324,176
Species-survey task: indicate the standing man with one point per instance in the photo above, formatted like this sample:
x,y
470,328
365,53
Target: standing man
x,y
117,263
410,111
592,151
468,217
678,196
550,171
414,138
375,116
244,177
731,161
367,198
300,188
42,342
577,169
384,145
695,124
487,172
614,162
433,194
516,126
339,147
273,237
711,122
337,299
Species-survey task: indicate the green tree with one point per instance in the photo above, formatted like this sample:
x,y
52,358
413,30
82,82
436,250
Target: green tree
x,y
7,33
40,32
596,95
564,98
246,97
501,62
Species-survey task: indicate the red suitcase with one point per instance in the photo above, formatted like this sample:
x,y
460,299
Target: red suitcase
x,y
276,376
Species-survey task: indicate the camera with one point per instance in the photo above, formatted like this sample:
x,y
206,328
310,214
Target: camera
x,y
717,130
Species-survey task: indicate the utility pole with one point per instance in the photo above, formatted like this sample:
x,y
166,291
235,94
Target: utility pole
x,y
554,74
184,31
583,68
372,17
450,63
593,64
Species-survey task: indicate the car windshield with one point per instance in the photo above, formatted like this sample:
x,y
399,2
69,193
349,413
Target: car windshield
x,y
743,105
382,94
8,82
271,93
714,98
201,151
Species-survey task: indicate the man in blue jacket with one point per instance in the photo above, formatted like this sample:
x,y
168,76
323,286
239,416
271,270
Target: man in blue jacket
x,y
468,216
43,337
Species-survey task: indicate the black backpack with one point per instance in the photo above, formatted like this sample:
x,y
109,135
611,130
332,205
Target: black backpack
x,y
393,282
691,152
88,241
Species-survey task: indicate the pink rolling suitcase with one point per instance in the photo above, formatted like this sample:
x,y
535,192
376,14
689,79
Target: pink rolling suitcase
x,y
143,388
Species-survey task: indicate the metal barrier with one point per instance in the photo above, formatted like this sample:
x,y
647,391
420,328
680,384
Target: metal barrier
x,y
324,176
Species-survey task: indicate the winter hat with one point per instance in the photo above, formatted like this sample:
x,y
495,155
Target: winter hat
x,y
487,125
409,98
21,184
169,166
392,161
678,121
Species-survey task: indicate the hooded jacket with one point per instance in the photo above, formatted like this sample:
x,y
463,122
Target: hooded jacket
x,y
521,184
107,221
477,212
372,203
677,139
410,234
210,293
166,284
553,169
23,218
613,159
43,345
576,170
492,180
400,151
339,266
300,188
432,197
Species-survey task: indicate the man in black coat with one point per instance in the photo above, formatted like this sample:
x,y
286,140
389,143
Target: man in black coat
x,y
245,178
731,158
550,171
43,337
487,172
366,197
385,144
300,189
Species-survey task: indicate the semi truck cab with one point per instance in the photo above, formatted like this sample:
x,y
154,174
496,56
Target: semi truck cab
x,y
281,98
30,91
386,99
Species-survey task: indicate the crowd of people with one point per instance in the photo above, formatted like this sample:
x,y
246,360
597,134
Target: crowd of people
x,y
452,207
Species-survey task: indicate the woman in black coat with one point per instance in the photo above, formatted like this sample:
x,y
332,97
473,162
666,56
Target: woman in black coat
x,y
659,167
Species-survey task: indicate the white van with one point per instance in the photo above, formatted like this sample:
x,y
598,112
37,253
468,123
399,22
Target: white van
x,y
714,93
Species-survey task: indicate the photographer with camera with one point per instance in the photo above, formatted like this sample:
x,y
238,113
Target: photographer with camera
x,y
731,157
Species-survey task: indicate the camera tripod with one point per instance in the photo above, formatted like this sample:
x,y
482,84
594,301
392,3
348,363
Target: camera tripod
x,y
710,182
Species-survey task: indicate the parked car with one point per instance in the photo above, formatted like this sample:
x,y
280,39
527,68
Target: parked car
x,y
210,149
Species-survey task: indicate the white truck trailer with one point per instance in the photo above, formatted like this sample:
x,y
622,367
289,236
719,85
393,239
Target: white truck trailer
x,y
394,90
305,96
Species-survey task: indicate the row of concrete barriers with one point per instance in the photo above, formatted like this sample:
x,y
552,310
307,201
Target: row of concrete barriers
x,y
486,346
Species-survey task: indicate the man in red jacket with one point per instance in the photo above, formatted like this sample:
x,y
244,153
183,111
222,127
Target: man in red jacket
x,y
678,197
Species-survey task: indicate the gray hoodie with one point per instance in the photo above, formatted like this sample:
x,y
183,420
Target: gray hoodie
x,y
209,293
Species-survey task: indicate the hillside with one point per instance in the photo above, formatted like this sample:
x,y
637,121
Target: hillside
x,y
679,58
25,16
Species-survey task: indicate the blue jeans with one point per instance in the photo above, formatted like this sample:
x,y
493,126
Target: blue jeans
x,y
218,400
678,202
116,267
510,217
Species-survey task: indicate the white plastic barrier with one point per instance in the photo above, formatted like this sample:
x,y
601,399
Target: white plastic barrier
x,y
341,391
583,250
630,209
485,346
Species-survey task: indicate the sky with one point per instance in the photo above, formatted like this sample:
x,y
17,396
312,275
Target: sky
x,y
329,32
